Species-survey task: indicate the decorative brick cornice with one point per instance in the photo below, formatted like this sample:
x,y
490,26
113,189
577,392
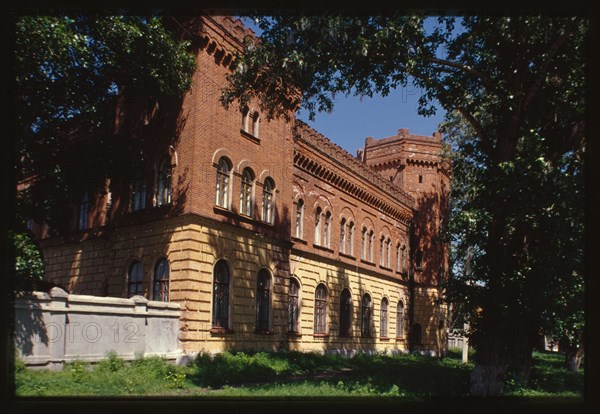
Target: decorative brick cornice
x,y
343,159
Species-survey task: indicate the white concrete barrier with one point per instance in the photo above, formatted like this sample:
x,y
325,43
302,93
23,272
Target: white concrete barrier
x,y
54,328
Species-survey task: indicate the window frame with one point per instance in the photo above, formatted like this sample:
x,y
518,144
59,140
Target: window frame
x,y
164,176
246,192
366,316
138,190
346,311
320,310
161,294
83,216
221,301
268,200
384,318
263,301
135,279
294,308
222,188
400,320
299,218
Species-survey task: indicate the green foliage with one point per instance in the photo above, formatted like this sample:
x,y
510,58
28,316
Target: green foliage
x,y
29,265
69,70
401,376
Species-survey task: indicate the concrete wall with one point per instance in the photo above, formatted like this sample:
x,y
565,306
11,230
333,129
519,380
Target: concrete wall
x,y
54,328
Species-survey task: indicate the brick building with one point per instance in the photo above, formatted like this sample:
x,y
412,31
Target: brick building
x,y
267,234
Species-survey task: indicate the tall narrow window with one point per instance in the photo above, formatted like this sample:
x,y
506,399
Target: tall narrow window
x,y
363,246
267,201
327,230
400,320
350,249
343,235
135,279
160,288
398,256
346,313
318,219
246,120
294,307
163,182
388,253
371,240
220,308
382,251
137,199
246,193
320,310
403,259
263,300
84,210
299,218
365,323
223,174
383,318
255,124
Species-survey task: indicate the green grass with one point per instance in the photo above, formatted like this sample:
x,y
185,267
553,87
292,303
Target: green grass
x,y
288,374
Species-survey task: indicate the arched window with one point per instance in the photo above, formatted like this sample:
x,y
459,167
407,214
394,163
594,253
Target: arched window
x,y
84,211
263,301
299,218
350,249
382,251
223,174
400,320
403,260
255,124
267,201
163,182
371,240
363,246
294,307
220,307
137,199
246,120
398,256
320,310
246,193
343,235
416,334
327,230
388,253
383,318
135,279
346,313
160,288
367,312
318,218
418,259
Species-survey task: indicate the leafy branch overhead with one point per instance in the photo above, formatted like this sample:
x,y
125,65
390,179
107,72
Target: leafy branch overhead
x,y
514,89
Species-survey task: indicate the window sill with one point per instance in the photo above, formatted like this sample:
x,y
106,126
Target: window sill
x,y
399,339
299,241
325,249
322,335
367,262
347,256
249,136
384,338
385,268
221,331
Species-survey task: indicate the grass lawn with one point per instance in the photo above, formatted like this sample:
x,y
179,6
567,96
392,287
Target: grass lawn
x,y
287,374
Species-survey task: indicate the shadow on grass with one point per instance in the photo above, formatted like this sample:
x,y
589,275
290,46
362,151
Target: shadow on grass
x,y
410,374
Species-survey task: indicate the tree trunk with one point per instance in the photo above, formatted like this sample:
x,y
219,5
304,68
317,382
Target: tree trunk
x,y
487,380
573,358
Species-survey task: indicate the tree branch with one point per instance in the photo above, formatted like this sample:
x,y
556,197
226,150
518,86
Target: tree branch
x,y
487,81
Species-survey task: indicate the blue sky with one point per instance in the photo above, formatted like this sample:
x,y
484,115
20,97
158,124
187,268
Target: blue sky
x,y
353,119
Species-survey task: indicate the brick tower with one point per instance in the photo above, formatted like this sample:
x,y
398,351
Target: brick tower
x,y
415,164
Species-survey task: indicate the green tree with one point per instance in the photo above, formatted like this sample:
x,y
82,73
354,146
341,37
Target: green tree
x,y
83,85
519,85
29,265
